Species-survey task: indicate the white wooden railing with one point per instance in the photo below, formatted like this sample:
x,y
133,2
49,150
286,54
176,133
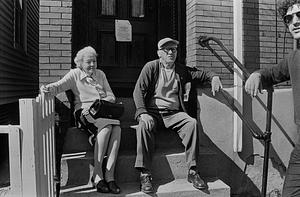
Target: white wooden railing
x,y
32,149
14,142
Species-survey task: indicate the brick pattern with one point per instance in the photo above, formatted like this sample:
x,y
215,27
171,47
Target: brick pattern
x,y
265,41
55,39
263,34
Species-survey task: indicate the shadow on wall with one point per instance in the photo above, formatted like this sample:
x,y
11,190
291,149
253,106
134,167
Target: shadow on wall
x,y
243,171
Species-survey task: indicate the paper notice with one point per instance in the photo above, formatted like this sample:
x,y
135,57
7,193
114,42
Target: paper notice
x,y
123,31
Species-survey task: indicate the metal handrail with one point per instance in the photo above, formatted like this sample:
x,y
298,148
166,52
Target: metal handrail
x,y
266,136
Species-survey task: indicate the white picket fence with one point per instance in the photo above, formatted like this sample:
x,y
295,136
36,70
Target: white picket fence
x,y
14,141
32,149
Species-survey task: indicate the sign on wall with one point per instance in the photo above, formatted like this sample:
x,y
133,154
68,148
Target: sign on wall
x,y
123,31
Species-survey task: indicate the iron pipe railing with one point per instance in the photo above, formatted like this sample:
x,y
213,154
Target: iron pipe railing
x,y
265,136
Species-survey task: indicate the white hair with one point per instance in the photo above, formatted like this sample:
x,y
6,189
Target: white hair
x,y
81,53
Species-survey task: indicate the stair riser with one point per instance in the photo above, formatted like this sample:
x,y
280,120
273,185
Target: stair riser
x,y
79,171
214,193
129,109
76,140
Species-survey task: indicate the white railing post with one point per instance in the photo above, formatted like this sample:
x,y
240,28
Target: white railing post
x,y
14,146
15,160
38,146
238,82
29,152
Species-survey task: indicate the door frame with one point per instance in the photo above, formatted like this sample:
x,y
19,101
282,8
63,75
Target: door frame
x,y
177,30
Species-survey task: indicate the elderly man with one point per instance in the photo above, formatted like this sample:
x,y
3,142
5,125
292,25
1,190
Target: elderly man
x,y
159,95
287,69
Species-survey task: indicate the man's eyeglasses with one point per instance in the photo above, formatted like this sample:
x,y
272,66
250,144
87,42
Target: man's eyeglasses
x,y
289,17
166,50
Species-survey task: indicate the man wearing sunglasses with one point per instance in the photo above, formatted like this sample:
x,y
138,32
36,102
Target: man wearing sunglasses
x,y
287,69
161,92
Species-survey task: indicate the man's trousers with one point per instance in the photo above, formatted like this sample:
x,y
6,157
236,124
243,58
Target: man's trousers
x,y
180,122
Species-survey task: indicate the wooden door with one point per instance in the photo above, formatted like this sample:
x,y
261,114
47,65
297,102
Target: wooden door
x,y
122,61
151,20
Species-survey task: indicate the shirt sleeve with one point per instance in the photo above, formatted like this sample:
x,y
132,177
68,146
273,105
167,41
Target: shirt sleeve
x,y
275,74
200,75
63,84
107,88
141,89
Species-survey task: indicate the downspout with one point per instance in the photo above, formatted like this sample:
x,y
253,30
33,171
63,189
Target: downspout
x,y
238,82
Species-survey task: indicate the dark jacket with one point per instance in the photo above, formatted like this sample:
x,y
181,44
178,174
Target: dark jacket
x,y
287,69
145,85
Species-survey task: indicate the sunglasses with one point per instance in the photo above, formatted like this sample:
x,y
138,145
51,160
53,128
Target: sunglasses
x,y
289,17
166,50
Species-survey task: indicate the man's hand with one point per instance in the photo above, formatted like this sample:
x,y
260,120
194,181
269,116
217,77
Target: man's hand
x,y
216,84
252,84
149,121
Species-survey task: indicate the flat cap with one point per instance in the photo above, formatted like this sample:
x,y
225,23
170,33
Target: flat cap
x,y
164,41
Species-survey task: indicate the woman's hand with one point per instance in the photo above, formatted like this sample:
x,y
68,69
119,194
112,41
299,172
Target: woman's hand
x,y
148,120
216,85
44,89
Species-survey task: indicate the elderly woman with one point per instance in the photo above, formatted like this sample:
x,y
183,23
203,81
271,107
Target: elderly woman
x,y
88,84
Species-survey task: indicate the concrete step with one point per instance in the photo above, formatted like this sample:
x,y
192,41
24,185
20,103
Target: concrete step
x,y
77,168
166,188
77,141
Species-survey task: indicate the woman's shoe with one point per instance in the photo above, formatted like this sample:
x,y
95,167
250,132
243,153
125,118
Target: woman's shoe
x,y
113,187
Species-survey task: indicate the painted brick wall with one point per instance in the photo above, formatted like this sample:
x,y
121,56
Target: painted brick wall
x,y
55,39
263,34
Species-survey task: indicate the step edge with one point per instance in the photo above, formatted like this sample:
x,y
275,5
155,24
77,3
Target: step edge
x,y
128,153
213,186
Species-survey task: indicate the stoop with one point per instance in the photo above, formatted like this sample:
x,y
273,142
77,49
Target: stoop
x,y
169,169
168,166
175,188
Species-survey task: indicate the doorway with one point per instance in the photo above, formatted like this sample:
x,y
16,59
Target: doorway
x,y
150,20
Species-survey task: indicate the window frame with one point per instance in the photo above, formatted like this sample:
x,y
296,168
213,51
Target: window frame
x,y
20,25
137,17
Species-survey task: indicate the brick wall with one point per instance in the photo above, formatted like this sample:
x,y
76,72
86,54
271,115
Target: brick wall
x,y
55,39
263,34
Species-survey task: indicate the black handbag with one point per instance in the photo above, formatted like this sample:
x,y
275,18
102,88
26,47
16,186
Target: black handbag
x,y
106,109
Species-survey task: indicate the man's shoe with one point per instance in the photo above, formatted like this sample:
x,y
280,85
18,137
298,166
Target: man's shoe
x,y
101,186
146,185
197,182
113,187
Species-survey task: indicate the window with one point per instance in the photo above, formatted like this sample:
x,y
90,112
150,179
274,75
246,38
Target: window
x,y
19,24
108,7
137,8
